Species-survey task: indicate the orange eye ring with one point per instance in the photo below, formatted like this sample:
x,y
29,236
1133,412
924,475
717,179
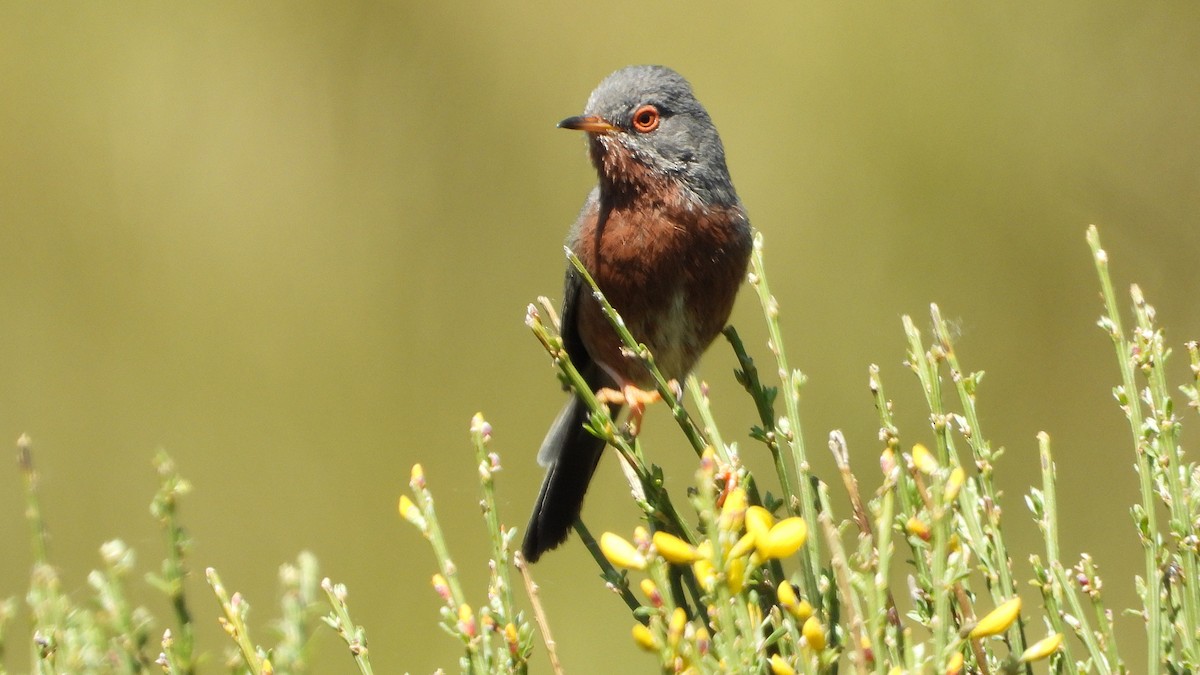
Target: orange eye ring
x,y
646,119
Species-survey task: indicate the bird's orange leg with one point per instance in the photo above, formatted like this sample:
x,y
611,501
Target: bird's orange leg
x,y
637,400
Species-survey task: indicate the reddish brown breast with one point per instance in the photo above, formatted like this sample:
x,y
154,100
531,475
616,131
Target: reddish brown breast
x,y
670,266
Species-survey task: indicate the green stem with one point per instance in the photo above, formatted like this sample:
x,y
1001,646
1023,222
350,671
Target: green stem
x,y
764,401
1049,523
165,507
235,623
790,382
480,436
354,635
1166,426
1111,323
982,452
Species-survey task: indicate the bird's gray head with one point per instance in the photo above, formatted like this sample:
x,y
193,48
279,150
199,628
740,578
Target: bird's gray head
x,y
644,122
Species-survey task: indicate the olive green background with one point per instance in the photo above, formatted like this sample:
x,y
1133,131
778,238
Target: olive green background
x,y
293,243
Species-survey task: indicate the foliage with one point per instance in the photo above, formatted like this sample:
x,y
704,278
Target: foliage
x,y
747,578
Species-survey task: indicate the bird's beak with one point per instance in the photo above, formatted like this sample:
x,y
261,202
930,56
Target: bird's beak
x,y
593,124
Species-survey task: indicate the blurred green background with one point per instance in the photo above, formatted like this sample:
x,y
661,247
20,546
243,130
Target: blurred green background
x,y
292,243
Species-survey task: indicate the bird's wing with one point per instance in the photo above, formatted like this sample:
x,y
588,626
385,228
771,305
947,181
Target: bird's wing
x,y
575,293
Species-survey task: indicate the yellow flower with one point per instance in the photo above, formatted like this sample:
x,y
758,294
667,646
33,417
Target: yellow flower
x,y
743,545
800,609
650,589
814,633
758,520
466,620
705,573
955,483
621,553
784,539
674,549
675,627
954,667
733,512
410,512
923,459
735,574
803,611
1042,648
917,527
998,620
644,638
781,667
417,478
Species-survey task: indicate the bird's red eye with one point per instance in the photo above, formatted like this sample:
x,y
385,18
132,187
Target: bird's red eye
x,y
645,119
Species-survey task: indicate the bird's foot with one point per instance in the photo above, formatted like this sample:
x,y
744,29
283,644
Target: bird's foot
x,y
637,400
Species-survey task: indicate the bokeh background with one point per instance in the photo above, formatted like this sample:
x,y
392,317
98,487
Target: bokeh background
x,y
293,243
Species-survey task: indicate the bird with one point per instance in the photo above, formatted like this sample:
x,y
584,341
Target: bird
x,y
667,240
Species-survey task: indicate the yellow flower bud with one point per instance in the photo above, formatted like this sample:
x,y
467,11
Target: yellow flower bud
x,y
887,462
650,589
644,638
466,620
735,574
733,512
955,483
758,520
703,641
621,553
1042,648
708,465
705,573
802,611
409,511
441,587
917,527
924,460
675,627
781,667
814,633
641,538
787,596
674,549
743,545
784,539
754,610
998,620
955,665
417,478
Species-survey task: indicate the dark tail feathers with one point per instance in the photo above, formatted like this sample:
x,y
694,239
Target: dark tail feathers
x,y
570,455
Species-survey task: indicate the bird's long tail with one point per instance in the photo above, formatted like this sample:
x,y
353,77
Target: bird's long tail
x,y
570,455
